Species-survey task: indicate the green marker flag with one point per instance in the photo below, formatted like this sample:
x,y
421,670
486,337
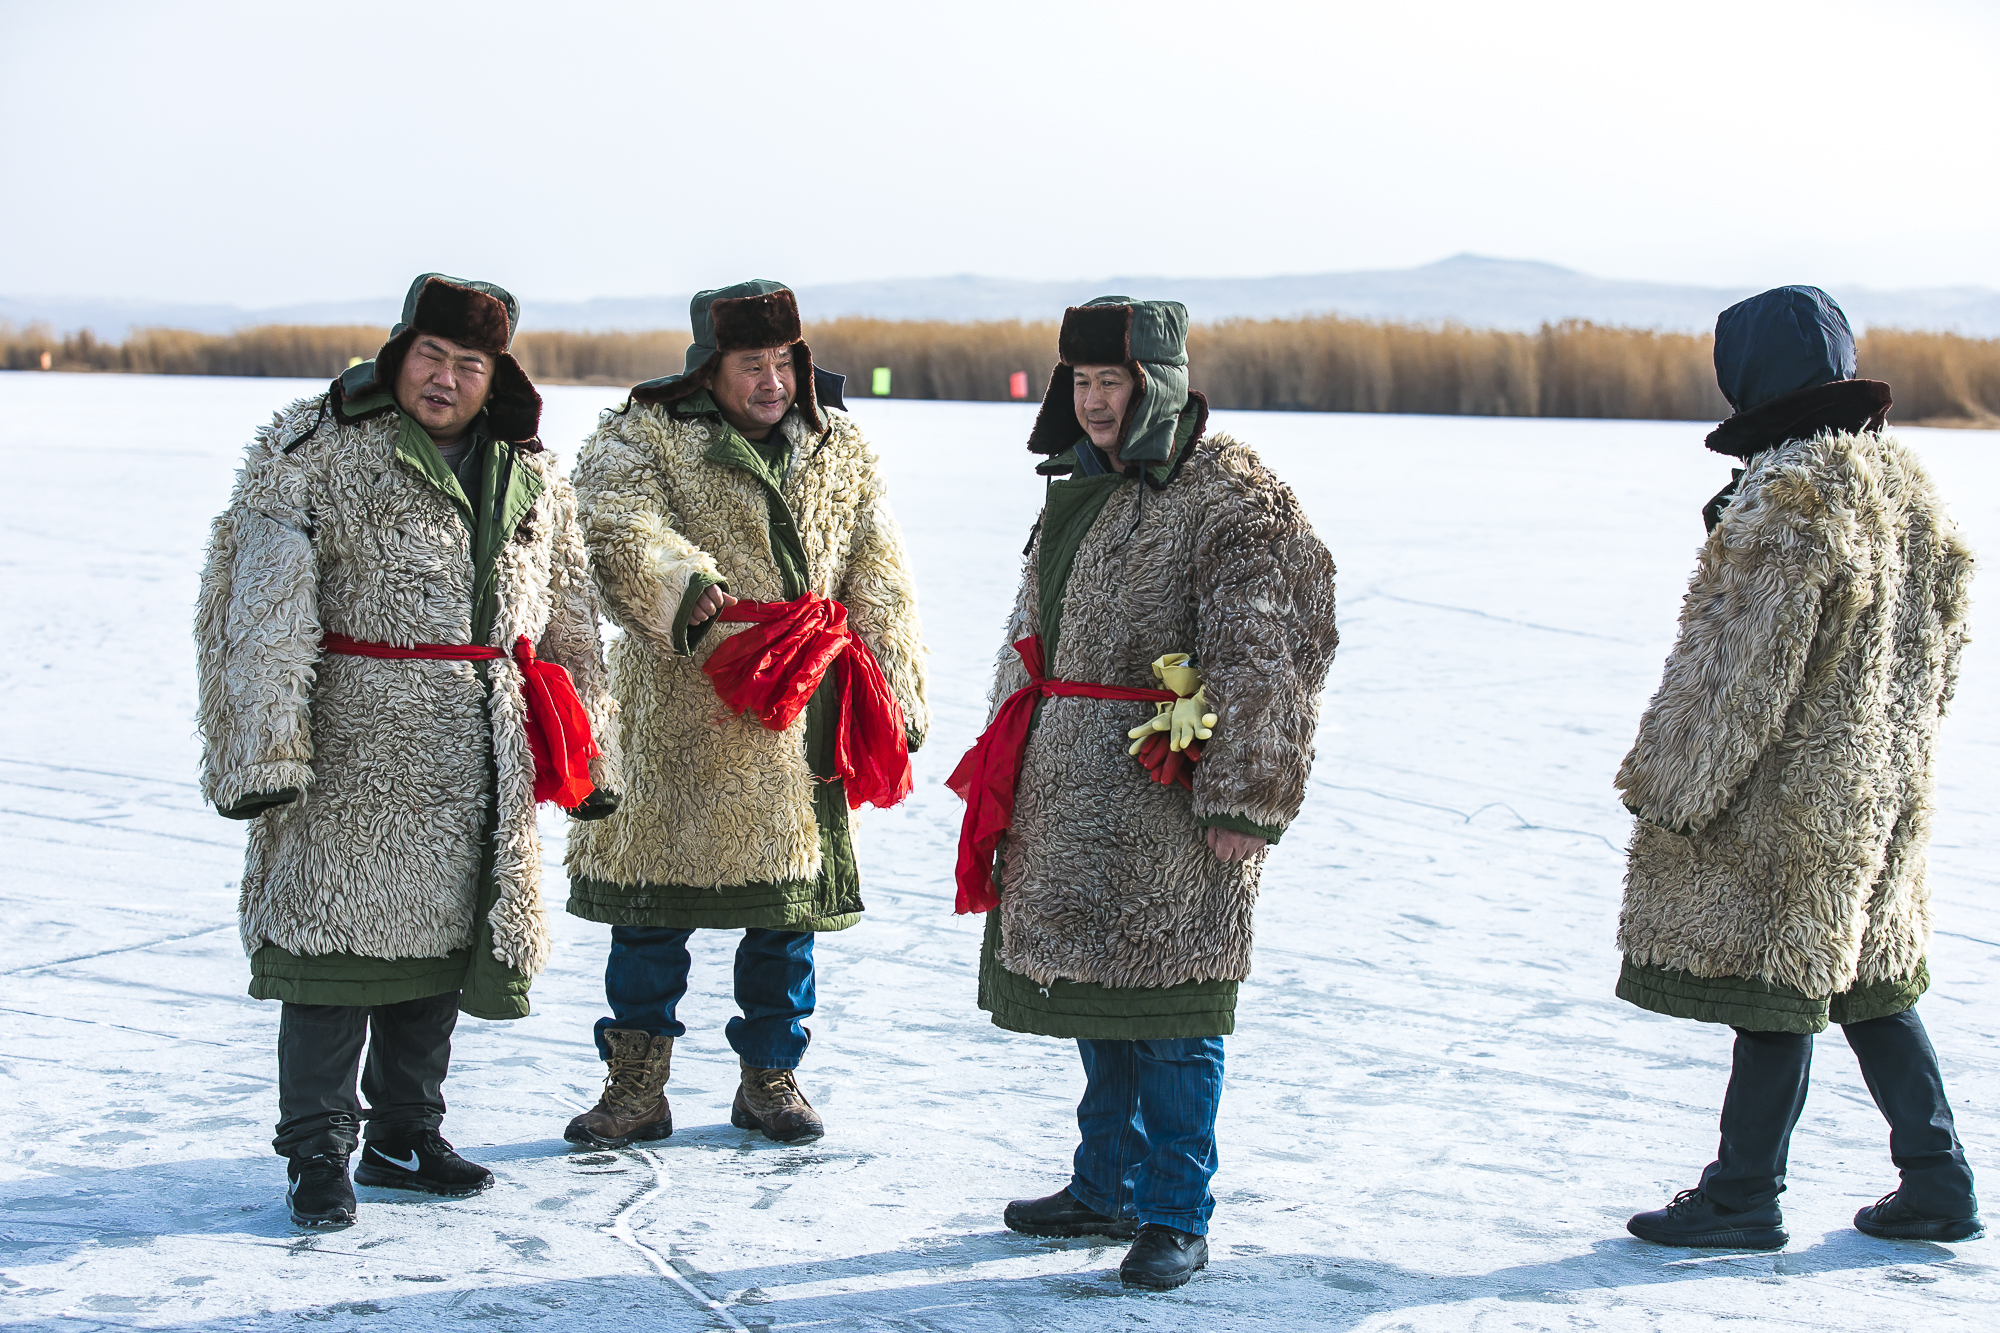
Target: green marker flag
x,y
881,381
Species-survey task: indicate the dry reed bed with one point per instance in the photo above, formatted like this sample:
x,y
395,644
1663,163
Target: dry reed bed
x,y
1320,364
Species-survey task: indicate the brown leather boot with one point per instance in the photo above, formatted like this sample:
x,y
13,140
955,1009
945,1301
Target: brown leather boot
x,y
632,1108
770,1100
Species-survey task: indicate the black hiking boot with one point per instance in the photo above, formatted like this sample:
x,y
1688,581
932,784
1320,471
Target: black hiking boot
x,y
1163,1257
318,1191
1695,1221
1063,1214
425,1162
1892,1219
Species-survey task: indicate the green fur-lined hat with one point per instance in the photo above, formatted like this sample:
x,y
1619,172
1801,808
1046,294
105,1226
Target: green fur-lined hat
x,y
475,314
749,316
1147,337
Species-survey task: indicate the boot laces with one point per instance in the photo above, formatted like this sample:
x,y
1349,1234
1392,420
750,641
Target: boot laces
x,y
625,1083
1686,1202
778,1085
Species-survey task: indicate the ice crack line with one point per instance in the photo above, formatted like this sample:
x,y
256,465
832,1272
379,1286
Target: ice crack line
x,y
621,1230
1521,821
130,948
1488,615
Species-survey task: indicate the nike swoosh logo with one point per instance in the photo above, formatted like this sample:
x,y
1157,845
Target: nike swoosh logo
x,y
410,1165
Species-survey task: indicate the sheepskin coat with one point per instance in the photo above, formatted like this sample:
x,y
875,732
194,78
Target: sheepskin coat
x,y
401,766
1106,877
724,822
1782,774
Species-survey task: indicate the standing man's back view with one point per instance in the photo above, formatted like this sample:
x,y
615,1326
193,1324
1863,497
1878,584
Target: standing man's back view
x,y
1782,778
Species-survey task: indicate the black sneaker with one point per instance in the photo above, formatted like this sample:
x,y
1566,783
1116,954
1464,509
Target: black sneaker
x,y
1695,1221
426,1163
1892,1219
318,1191
1163,1257
1063,1214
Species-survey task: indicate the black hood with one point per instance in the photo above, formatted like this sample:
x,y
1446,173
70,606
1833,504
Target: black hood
x,y
1779,342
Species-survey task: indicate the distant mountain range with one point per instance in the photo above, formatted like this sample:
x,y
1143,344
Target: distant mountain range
x,y
1472,289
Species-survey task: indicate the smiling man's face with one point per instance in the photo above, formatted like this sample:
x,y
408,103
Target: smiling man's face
x,y
443,385
1103,396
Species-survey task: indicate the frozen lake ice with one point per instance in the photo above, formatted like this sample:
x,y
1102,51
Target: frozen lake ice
x,y
1437,1115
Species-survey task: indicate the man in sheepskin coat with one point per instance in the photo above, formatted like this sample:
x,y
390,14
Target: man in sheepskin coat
x,y
735,479
1782,778
394,549
1124,898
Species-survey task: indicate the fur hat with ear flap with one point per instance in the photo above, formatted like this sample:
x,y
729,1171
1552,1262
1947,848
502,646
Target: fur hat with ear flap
x,y
1149,338
747,317
478,315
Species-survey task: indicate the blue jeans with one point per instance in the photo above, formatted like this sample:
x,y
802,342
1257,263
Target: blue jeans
x,y
647,974
1148,1123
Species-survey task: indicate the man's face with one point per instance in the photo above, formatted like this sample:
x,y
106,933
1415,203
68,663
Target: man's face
x,y
754,389
443,385
1102,395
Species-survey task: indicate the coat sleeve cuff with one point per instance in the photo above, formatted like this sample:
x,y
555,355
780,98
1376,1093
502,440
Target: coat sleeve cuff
x,y
1640,815
686,636
249,807
1237,824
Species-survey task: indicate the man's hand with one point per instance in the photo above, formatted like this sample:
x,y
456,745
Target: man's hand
x,y
1229,845
712,599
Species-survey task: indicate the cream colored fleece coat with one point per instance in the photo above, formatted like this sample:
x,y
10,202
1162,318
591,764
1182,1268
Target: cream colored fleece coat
x,y
714,799
1106,876
1790,743
380,855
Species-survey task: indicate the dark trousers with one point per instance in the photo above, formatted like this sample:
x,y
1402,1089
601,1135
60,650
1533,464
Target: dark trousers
x,y
647,974
319,1052
1147,1121
1767,1091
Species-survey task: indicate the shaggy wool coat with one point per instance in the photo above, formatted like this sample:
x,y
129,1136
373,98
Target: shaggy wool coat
x,y
1106,877
399,764
715,801
1783,772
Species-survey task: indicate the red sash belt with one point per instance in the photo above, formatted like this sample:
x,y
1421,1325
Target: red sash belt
x,y
991,769
558,728
771,671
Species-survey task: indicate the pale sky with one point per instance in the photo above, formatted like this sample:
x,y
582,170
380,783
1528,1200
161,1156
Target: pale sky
x,y
265,153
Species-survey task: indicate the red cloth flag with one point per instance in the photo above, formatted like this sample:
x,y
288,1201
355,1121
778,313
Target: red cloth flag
x,y
558,728
985,779
771,670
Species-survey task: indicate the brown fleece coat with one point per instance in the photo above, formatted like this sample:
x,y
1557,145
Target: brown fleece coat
x,y
713,799
1783,771
1106,877
380,854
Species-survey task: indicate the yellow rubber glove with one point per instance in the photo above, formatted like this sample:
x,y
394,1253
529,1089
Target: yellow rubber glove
x,y
1190,720
1187,718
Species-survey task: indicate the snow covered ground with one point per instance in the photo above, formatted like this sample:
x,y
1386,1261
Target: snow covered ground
x,y
1437,1115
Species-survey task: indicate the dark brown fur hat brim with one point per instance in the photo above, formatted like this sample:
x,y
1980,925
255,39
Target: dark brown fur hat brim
x,y
471,318
746,323
1095,335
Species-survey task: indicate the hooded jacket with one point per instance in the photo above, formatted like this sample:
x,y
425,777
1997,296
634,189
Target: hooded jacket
x,y
1782,774
392,849
725,823
1115,918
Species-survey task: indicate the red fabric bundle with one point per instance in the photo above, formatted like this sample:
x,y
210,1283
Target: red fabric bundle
x,y
771,670
558,728
985,779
